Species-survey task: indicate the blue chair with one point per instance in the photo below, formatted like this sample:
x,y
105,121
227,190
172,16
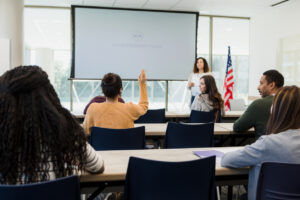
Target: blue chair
x,y
160,180
152,116
66,188
117,139
201,117
279,181
189,135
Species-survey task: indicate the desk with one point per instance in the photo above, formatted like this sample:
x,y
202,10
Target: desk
x,y
175,116
160,129
116,166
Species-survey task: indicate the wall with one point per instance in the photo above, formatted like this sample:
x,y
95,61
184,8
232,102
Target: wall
x,y
266,31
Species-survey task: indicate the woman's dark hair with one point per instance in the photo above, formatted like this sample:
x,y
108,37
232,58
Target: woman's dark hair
x,y
213,93
285,111
206,68
111,85
37,135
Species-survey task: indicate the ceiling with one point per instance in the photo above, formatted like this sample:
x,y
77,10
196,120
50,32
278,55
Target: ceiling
x,y
244,8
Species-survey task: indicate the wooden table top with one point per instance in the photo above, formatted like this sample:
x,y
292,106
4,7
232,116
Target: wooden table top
x,y
116,162
160,129
174,114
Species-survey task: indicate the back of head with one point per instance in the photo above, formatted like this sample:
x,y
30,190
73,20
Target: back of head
x,y
111,85
35,129
274,76
285,111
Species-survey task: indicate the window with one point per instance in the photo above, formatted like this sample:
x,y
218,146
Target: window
x,y
48,44
234,33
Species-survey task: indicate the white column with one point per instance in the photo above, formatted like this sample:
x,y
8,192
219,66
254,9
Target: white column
x,y
44,58
11,27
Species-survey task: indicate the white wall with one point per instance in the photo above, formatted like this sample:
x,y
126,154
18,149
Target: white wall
x,y
4,55
11,27
266,30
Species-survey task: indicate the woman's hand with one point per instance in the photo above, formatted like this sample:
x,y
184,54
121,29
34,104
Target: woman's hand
x,y
142,77
191,84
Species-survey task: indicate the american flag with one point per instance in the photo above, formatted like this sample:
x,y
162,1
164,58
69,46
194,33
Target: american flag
x,y
228,82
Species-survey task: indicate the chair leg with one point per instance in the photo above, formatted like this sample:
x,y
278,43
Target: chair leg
x,y
229,193
238,192
218,193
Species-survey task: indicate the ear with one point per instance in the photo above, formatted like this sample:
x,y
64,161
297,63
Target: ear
x,y
272,85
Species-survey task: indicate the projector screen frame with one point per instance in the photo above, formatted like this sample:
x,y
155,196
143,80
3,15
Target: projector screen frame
x,y
73,7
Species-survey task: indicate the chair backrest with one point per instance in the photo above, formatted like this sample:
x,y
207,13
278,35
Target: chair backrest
x,y
117,139
153,116
201,117
159,180
66,188
189,135
279,181
237,104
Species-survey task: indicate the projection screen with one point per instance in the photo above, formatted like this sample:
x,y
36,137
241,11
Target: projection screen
x,y
124,41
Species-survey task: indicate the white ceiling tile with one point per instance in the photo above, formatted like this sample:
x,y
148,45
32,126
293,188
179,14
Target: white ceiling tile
x,y
98,2
130,3
216,7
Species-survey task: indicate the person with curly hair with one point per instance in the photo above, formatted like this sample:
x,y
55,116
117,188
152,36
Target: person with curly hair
x,y
200,69
39,139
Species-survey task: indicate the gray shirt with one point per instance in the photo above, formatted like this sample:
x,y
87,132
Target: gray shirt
x,y
202,103
282,147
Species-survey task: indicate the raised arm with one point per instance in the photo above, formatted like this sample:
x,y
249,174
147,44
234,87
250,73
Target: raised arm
x,y
141,108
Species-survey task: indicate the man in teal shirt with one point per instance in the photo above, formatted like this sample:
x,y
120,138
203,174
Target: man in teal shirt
x,y
257,114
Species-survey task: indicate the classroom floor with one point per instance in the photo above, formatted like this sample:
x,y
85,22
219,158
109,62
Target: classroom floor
x,y
239,193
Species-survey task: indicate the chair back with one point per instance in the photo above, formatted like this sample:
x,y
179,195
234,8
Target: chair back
x,y
201,117
189,135
66,188
160,180
117,139
152,116
279,181
237,104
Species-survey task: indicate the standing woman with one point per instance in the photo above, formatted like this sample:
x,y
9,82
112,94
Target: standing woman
x,y
200,69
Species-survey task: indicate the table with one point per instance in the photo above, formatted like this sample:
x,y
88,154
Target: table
x,y
116,166
160,129
176,116
223,133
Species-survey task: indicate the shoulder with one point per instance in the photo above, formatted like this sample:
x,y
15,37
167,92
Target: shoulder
x,y
193,74
261,102
96,106
203,96
208,73
98,99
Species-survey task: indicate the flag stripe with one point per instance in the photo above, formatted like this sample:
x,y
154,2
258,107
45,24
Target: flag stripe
x,y
228,82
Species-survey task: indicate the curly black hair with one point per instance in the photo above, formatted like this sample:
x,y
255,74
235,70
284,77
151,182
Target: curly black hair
x,y
37,135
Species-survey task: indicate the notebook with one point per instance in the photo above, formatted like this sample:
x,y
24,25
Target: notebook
x,y
203,154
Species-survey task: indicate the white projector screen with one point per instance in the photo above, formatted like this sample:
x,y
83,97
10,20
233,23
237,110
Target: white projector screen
x,y
124,41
